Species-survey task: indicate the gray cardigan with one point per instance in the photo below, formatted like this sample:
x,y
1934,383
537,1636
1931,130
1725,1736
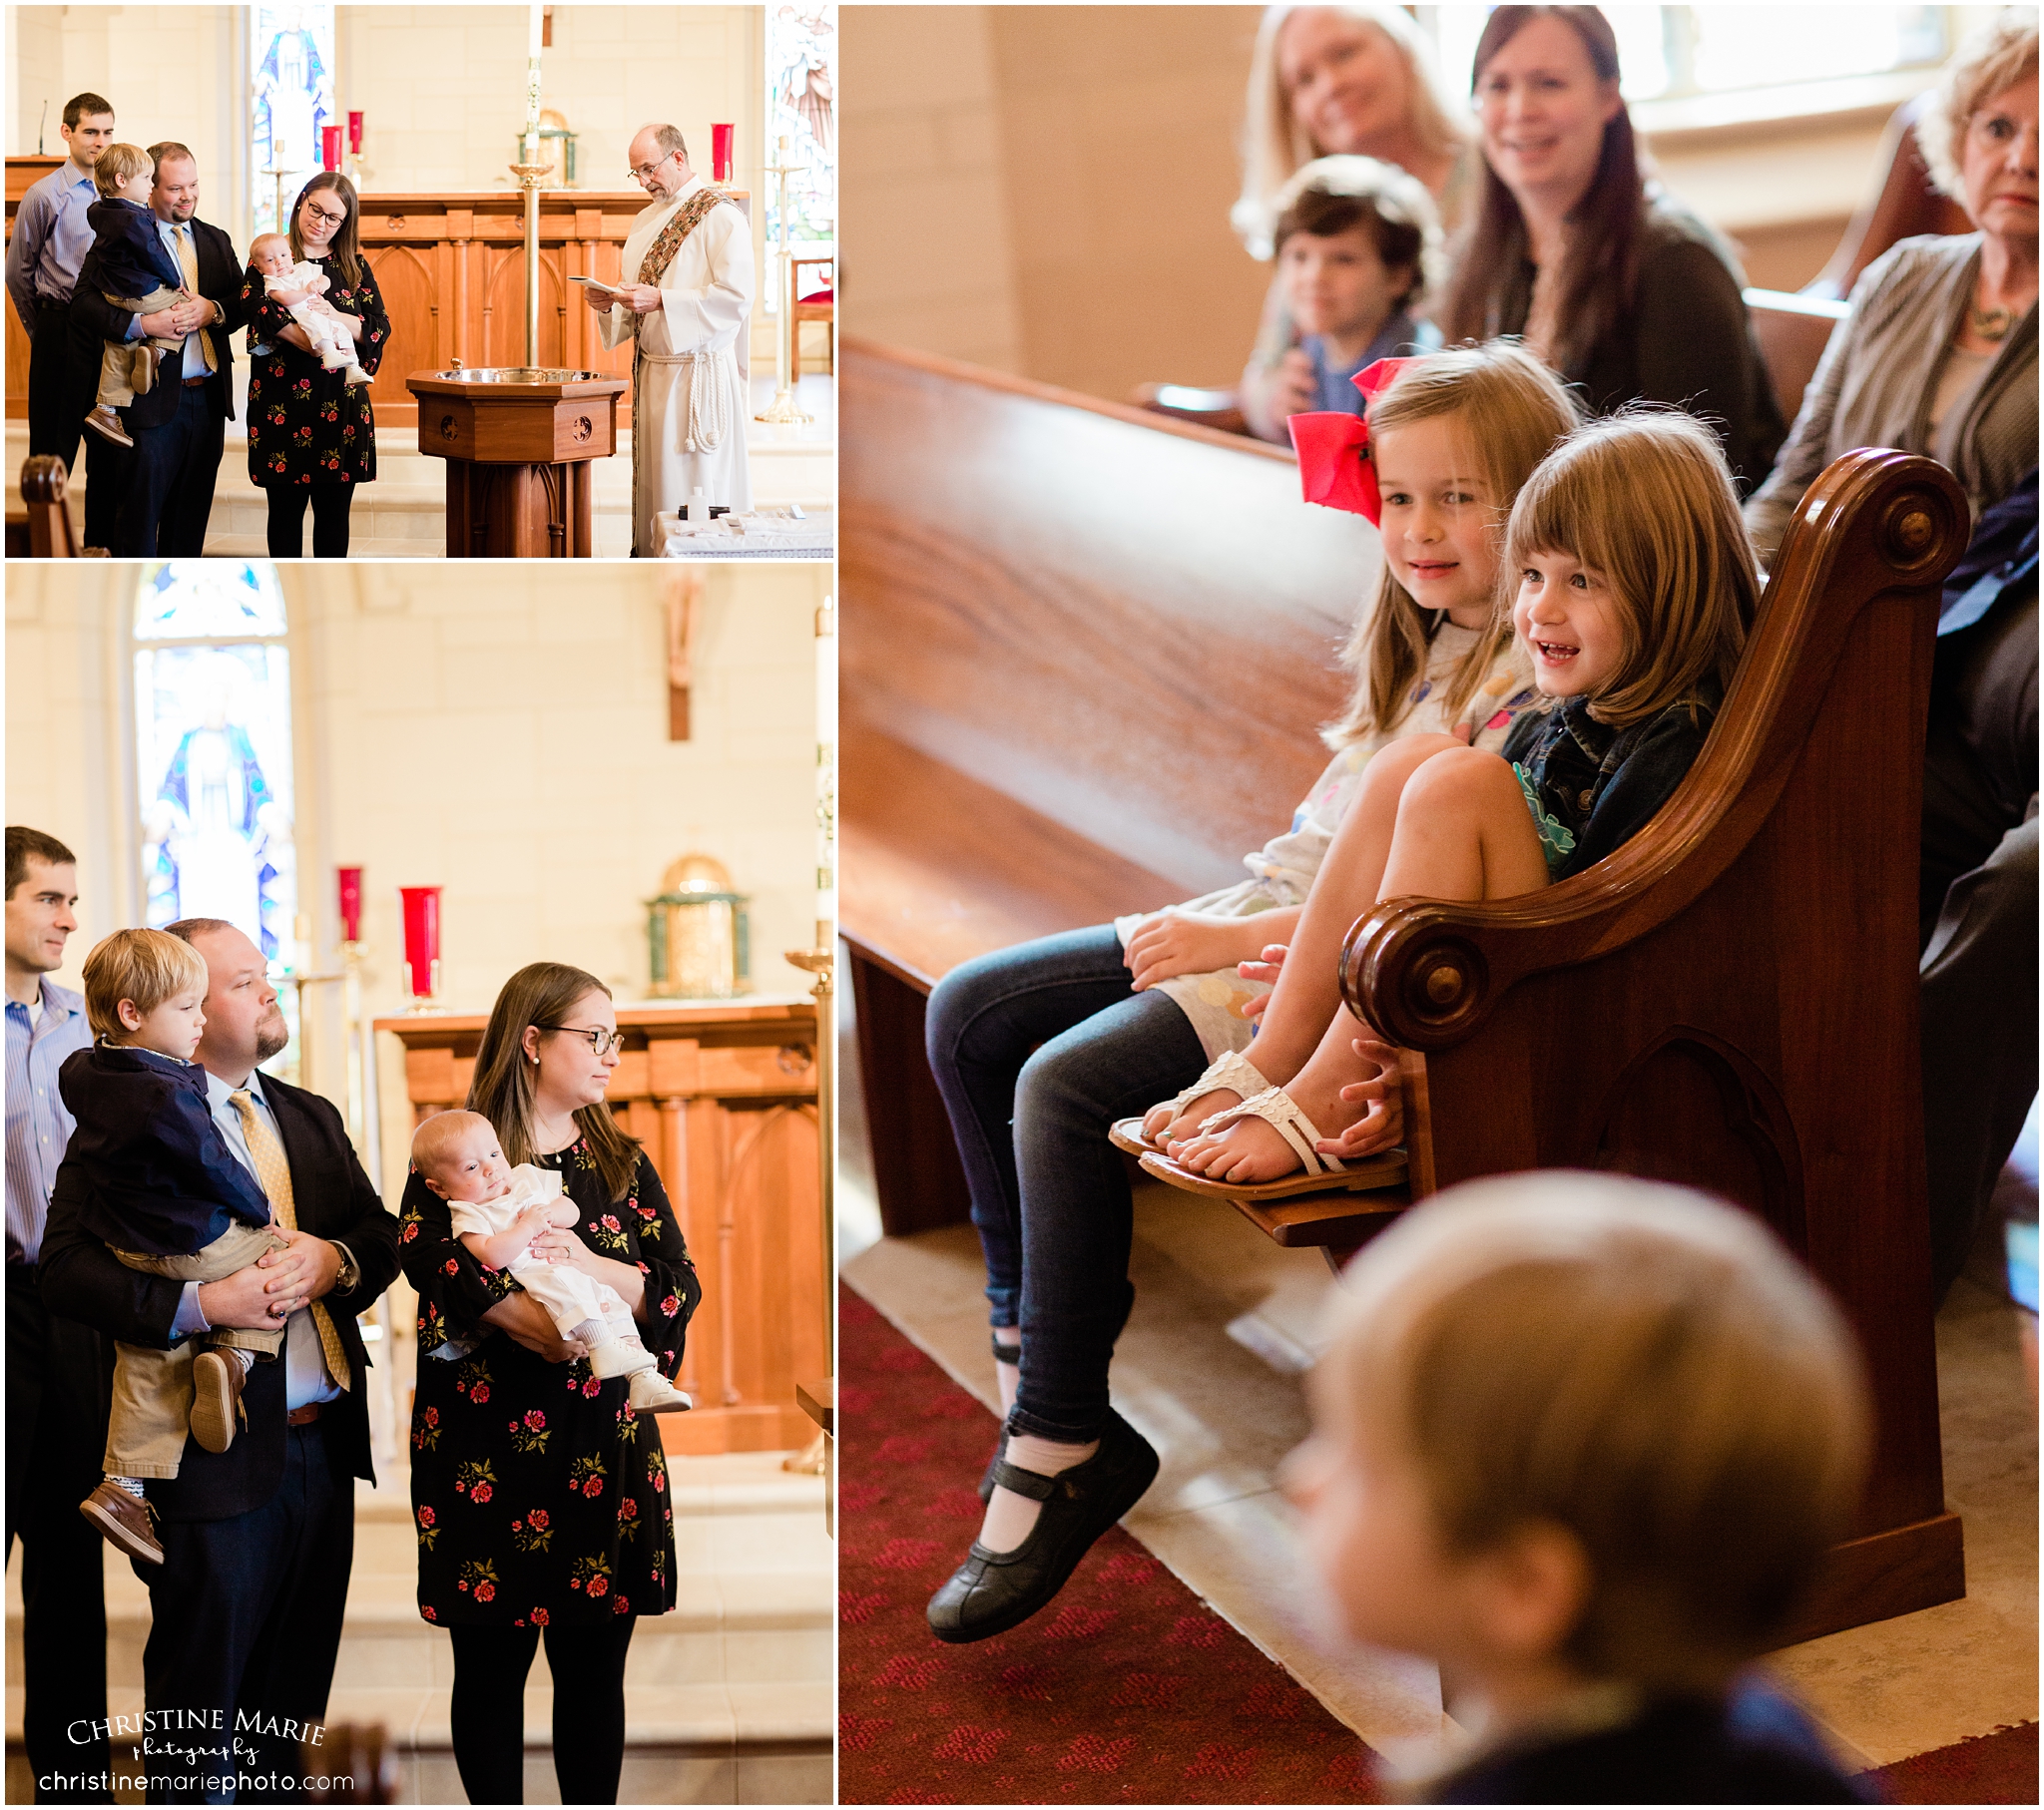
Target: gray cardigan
x,y
1880,374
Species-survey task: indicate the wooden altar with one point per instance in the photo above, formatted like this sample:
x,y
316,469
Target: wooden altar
x,y
724,1097
452,271
451,268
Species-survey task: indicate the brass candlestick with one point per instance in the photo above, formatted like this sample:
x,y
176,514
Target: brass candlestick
x,y
277,222
529,169
529,175
781,411
821,962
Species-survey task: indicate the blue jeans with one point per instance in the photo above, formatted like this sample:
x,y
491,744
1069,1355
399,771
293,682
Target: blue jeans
x,y
1036,1051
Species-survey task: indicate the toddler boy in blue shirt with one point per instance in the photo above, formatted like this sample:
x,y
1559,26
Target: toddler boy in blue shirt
x,y
1358,244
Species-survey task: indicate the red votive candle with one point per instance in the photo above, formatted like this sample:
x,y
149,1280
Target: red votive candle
x,y
351,904
354,132
421,940
330,147
719,153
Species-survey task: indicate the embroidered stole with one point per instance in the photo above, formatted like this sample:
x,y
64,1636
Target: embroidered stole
x,y
687,217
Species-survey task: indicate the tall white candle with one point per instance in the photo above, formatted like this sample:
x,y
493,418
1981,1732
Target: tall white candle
x,y
532,78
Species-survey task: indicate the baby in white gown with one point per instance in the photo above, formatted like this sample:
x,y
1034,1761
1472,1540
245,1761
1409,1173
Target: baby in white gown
x,y
300,288
498,1211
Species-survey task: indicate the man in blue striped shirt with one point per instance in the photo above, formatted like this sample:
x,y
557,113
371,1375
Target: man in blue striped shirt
x,y
51,238
55,1400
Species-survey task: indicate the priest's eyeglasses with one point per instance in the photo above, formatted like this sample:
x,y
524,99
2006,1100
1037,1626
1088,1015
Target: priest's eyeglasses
x,y
640,172
601,1043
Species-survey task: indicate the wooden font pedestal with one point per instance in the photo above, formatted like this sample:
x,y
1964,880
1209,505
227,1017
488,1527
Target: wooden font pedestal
x,y
518,445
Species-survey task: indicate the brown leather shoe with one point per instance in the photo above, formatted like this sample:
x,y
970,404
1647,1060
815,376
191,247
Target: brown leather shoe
x,y
124,1520
103,422
217,1379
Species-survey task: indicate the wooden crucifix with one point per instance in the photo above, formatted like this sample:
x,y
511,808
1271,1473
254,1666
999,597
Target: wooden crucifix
x,y
683,591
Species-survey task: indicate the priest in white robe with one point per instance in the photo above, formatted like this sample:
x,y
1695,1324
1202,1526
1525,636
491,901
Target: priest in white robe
x,y
686,296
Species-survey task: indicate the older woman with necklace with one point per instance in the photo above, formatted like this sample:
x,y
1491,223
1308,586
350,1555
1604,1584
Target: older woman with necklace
x,y
1939,357
1939,353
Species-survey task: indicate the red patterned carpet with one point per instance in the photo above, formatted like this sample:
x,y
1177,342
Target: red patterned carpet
x,y
1997,1769
1126,1689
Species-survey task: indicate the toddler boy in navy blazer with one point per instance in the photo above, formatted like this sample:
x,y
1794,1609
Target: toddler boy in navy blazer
x,y
143,275
168,1197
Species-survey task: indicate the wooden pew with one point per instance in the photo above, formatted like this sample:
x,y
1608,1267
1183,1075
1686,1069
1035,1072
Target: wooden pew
x,y
1025,576
1731,1001
43,530
1050,603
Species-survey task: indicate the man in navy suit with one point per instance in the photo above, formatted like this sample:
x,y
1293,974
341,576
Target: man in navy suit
x,y
257,1539
180,425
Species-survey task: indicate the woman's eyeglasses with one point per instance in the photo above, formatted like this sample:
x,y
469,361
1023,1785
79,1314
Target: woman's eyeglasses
x,y
601,1043
320,214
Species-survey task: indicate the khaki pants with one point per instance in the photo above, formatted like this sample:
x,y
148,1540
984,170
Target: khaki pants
x,y
116,360
152,1408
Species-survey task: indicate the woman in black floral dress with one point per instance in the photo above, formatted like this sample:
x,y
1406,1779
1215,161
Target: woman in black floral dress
x,y
312,436
540,1498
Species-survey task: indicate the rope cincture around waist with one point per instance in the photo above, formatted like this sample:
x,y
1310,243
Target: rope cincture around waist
x,y
709,403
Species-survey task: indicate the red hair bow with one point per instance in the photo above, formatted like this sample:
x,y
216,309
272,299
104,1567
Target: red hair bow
x,y
1335,467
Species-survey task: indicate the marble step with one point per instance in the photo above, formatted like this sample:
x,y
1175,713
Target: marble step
x,y
747,1656
403,514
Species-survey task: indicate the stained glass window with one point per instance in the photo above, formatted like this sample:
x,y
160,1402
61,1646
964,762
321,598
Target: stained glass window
x,y
213,744
802,106
290,97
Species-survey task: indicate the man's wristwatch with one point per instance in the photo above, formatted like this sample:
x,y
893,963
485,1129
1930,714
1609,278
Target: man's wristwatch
x,y
350,1277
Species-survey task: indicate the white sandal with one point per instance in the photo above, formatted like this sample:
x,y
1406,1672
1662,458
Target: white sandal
x,y
1319,1171
1231,1070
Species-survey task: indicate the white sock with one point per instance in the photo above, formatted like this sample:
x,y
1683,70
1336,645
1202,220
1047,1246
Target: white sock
x,y
1009,1376
1009,1518
132,1485
247,1359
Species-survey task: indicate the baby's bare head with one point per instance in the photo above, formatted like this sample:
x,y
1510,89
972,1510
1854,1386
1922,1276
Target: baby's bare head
x,y
271,254
457,1156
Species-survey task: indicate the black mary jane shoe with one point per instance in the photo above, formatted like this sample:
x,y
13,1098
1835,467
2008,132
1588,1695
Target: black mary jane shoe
x,y
1004,1354
994,1591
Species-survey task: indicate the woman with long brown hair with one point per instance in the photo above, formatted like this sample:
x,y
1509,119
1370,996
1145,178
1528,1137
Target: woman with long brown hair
x,y
1611,279
540,1498
311,434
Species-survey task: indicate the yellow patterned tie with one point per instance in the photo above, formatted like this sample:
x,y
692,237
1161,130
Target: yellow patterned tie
x,y
275,1173
188,256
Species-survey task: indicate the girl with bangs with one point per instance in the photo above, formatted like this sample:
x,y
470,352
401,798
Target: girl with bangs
x,y
1633,586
